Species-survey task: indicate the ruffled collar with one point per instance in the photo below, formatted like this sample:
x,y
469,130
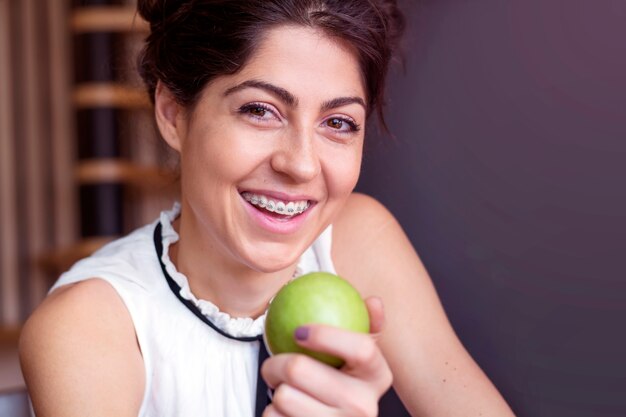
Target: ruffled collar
x,y
234,326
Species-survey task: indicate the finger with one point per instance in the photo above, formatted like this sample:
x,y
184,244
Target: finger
x,y
292,402
308,375
361,353
376,312
271,411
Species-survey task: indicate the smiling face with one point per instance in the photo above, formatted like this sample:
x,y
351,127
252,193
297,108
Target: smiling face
x,y
270,154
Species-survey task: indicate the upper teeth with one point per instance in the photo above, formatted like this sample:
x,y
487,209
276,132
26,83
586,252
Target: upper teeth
x,y
290,209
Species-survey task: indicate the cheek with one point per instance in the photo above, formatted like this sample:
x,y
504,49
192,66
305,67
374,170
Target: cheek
x,y
219,155
342,173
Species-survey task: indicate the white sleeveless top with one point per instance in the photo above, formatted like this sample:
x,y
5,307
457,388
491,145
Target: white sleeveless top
x,y
190,369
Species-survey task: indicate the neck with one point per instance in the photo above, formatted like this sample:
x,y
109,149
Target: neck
x,y
233,287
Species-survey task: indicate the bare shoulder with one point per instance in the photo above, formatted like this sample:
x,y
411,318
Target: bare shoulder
x,y
371,250
362,210
433,373
79,354
366,237
361,217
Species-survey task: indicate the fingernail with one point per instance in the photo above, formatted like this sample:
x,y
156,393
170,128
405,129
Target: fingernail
x,y
302,333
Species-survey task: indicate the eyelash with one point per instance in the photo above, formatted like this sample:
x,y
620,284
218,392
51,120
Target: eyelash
x,y
353,126
246,108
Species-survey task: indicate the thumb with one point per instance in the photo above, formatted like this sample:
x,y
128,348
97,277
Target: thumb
x,y
376,312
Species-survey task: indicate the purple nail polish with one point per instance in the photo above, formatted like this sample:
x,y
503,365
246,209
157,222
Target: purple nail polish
x,y
302,333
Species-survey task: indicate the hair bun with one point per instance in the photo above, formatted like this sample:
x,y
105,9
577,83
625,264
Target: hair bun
x,y
156,12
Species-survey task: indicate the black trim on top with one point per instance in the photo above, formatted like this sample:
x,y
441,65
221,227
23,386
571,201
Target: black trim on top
x,y
263,398
158,244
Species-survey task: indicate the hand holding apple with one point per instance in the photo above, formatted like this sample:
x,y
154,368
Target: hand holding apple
x,y
304,386
315,298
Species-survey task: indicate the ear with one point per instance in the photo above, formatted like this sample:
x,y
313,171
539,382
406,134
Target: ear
x,y
169,117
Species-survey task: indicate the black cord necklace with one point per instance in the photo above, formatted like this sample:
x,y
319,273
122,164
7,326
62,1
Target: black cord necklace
x,y
262,391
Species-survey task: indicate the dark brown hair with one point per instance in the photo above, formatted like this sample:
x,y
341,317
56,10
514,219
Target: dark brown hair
x,y
193,41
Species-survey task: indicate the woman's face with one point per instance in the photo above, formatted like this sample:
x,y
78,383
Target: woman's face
x,y
270,155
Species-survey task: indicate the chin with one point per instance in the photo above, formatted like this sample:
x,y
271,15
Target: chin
x,y
269,261
269,265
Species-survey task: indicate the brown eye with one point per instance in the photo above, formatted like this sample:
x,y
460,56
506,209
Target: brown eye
x,y
335,123
342,125
257,111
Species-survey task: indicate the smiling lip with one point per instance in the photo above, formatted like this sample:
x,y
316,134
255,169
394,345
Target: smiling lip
x,y
274,222
277,195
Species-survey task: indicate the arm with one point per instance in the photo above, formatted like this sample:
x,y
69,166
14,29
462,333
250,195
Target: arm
x,y
79,354
433,373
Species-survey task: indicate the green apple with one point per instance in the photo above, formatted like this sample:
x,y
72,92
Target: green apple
x,y
319,298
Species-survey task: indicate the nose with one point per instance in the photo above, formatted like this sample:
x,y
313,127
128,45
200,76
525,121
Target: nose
x,y
296,156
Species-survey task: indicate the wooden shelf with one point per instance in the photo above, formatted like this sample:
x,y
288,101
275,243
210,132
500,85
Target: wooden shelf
x,y
9,335
99,171
62,259
90,95
107,19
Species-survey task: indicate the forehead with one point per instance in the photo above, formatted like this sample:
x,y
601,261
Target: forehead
x,y
306,62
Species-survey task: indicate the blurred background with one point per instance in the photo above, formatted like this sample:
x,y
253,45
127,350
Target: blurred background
x,y
508,172
80,161
507,169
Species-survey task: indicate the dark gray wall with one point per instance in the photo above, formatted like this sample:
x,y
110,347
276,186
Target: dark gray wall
x,y
508,173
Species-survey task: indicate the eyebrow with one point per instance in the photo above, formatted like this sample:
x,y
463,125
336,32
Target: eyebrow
x,y
343,101
284,95
289,99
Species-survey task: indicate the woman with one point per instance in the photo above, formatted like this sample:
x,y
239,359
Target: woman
x,y
266,103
